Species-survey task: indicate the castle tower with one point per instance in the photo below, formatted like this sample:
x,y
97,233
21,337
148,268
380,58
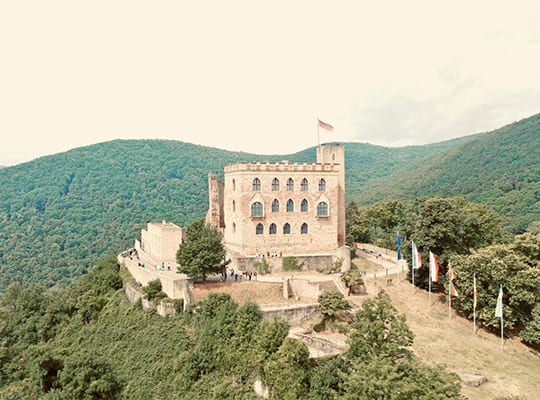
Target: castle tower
x,y
335,154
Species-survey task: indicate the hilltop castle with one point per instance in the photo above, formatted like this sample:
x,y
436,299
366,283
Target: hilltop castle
x,y
283,209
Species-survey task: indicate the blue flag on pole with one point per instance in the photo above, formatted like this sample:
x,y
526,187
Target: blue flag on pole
x,y
398,247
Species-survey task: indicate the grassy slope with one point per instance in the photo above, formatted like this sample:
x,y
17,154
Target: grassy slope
x,y
438,340
500,168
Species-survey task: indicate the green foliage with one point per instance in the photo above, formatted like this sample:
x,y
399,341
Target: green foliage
x,y
86,378
290,263
336,266
382,365
447,227
500,169
262,266
124,352
153,291
326,378
516,266
203,253
531,333
352,277
379,331
287,370
332,303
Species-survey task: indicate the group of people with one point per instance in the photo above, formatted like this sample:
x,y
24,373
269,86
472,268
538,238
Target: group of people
x,y
162,266
268,254
238,275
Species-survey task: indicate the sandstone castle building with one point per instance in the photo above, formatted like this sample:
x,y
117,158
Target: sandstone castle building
x,y
283,209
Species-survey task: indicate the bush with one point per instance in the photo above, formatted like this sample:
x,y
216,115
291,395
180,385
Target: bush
x,y
336,266
352,277
332,303
291,264
262,266
153,290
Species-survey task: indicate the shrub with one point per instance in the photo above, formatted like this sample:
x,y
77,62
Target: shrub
x,y
291,264
153,290
262,266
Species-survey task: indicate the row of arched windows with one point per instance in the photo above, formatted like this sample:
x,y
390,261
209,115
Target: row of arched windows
x,y
257,209
272,229
304,185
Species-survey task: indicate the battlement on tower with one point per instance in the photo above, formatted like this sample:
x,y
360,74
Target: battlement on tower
x,y
282,166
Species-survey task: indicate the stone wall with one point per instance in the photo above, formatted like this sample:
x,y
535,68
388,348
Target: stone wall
x,y
321,263
324,233
293,314
160,241
165,309
174,288
215,215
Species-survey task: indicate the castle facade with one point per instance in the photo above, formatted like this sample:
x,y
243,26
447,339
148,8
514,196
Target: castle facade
x,y
282,209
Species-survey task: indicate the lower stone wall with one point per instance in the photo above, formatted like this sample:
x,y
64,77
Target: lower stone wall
x,y
320,263
174,288
164,309
293,314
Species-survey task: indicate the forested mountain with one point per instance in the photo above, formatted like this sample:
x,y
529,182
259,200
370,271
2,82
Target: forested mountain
x,y
500,168
59,214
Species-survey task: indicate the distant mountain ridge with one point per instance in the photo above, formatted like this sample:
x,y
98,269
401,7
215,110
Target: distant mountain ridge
x,y
500,168
62,213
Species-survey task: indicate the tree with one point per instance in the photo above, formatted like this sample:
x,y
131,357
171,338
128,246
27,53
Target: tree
x,y
203,253
153,290
450,226
286,371
85,377
332,303
515,266
382,365
379,331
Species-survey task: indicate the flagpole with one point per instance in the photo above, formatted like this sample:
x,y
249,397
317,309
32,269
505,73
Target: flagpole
x,y
474,303
449,292
429,279
398,266
502,338
318,134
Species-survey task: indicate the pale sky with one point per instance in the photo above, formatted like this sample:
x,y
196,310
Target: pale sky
x,y
254,76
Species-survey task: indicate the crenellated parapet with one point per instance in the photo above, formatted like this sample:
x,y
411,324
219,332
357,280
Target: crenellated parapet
x,y
282,166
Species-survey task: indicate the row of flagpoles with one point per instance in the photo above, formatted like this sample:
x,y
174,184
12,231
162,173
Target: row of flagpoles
x,y
433,273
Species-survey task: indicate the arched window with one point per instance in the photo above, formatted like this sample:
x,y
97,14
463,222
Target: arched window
x,y
303,229
233,206
259,230
275,205
322,185
304,185
304,206
233,185
257,209
333,156
234,227
290,185
286,229
275,184
322,209
273,229
290,205
256,185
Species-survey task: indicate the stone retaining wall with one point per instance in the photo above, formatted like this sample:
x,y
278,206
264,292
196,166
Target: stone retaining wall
x,y
293,314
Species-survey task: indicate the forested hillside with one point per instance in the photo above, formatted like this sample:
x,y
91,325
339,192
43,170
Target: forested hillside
x,y
60,214
500,168
87,341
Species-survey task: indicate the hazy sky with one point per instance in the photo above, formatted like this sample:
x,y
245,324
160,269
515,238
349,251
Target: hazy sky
x,y
254,76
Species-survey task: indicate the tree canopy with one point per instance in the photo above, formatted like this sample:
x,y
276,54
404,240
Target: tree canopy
x,y
203,253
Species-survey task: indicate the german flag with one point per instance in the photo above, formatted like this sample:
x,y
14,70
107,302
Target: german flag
x,y
326,126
